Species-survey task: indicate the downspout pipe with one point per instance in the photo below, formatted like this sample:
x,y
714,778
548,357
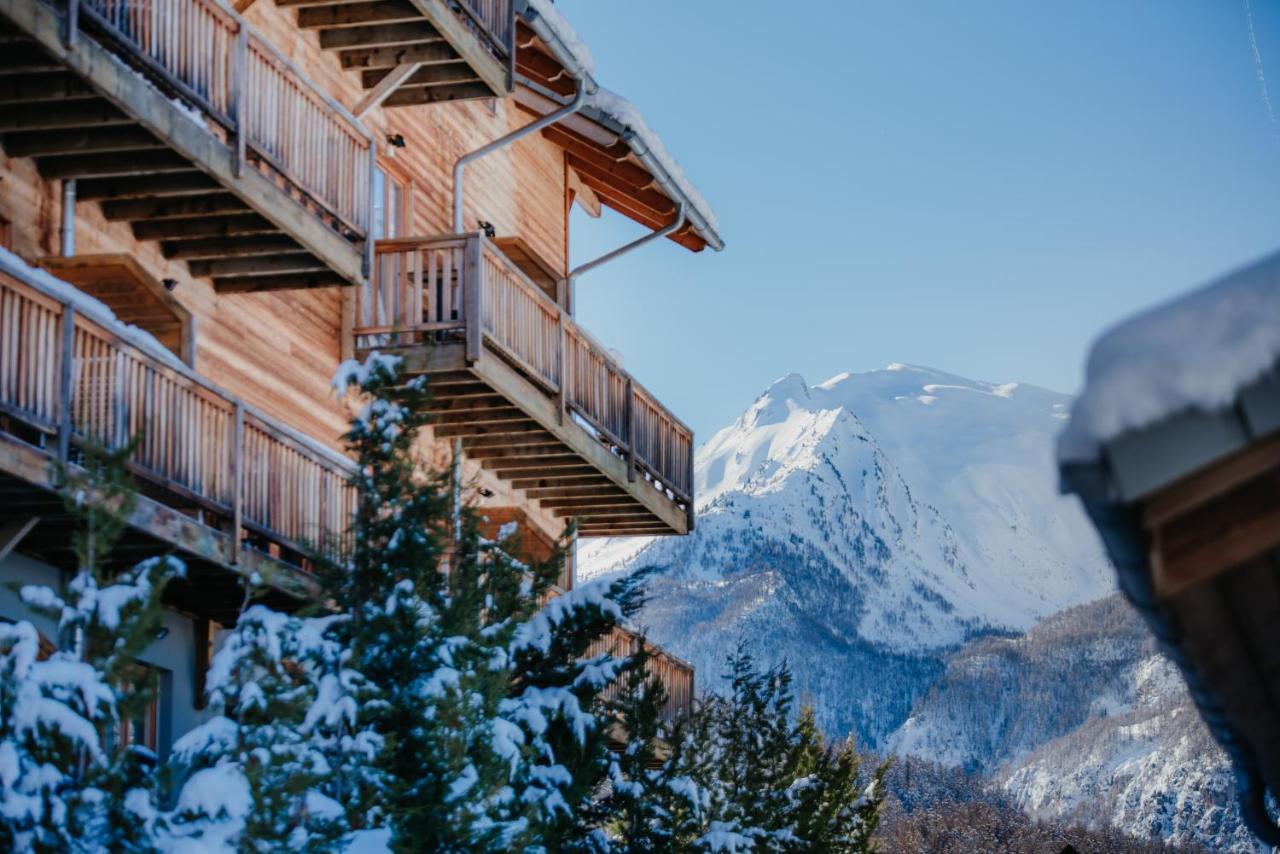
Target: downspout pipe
x,y
68,217
674,226
459,168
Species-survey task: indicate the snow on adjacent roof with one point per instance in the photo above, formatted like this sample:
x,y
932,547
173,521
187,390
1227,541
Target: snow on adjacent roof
x,y
1194,353
622,111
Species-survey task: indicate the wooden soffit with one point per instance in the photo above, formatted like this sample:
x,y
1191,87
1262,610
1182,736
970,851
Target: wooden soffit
x,y
601,160
135,296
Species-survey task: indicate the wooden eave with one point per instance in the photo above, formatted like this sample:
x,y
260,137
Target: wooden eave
x,y
600,158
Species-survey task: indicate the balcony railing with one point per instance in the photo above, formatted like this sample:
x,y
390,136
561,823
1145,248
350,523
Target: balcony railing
x,y
206,54
675,675
493,21
463,288
72,379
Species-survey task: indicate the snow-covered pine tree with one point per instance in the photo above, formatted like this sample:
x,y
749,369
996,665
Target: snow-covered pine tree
x,y
651,803
742,775
67,782
282,761
491,741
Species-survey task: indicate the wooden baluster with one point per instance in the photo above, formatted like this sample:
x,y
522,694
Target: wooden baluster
x,y
237,484
473,286
240,90
64,384
630,438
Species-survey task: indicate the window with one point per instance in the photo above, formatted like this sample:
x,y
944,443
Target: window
x,y
143,728
389,208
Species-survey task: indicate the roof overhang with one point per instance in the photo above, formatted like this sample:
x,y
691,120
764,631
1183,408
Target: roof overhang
x,y
607,143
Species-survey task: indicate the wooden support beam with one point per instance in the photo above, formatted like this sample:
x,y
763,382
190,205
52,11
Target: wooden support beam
x,y
417,95
13,531
145,186
548,482
91,112
52,88
378,35
581,503
278,282
573,492
227,247
357,14
111,163
205,226
518,452
424,52
636,513
506,414
563,459
26,58
297,262
79,140
576,469
173,208
471,403
384,88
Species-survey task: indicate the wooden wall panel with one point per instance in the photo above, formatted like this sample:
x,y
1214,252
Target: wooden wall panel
x,y
279,350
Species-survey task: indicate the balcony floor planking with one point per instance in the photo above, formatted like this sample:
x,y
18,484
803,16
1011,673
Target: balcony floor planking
x,y
538,448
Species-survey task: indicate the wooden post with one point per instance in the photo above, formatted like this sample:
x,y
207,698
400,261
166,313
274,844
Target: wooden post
x,y
64,383
204,653
237,485
73,23
688,485
240,82
562,373
631,432
473,299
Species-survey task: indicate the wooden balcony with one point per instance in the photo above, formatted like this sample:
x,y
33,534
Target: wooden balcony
x,y
412,52
675,674
180,120
226,488
532,396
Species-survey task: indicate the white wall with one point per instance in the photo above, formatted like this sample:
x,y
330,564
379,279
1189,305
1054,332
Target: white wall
x,y
173,655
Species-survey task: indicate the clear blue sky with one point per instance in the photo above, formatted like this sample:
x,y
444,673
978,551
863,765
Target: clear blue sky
x,y
980,186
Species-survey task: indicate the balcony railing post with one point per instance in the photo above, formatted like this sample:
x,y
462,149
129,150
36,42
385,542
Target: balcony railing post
x,y
631,432
240,86
562,369
473,299
65,425
72,24
237,484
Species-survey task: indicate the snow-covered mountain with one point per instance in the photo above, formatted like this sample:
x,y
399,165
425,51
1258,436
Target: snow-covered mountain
x,y
861,527
1083,721
898,537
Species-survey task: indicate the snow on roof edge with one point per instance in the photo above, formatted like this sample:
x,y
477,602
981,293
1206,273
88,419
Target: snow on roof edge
x,y
625,114
1195,352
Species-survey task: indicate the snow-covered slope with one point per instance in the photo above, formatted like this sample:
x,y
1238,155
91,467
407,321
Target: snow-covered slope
x,y
1083,721
862,526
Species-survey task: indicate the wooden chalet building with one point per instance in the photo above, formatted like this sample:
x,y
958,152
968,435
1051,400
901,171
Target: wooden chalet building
x,y
1174,450
205,207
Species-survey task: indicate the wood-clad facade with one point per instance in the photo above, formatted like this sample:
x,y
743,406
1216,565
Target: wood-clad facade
x,y
247,184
